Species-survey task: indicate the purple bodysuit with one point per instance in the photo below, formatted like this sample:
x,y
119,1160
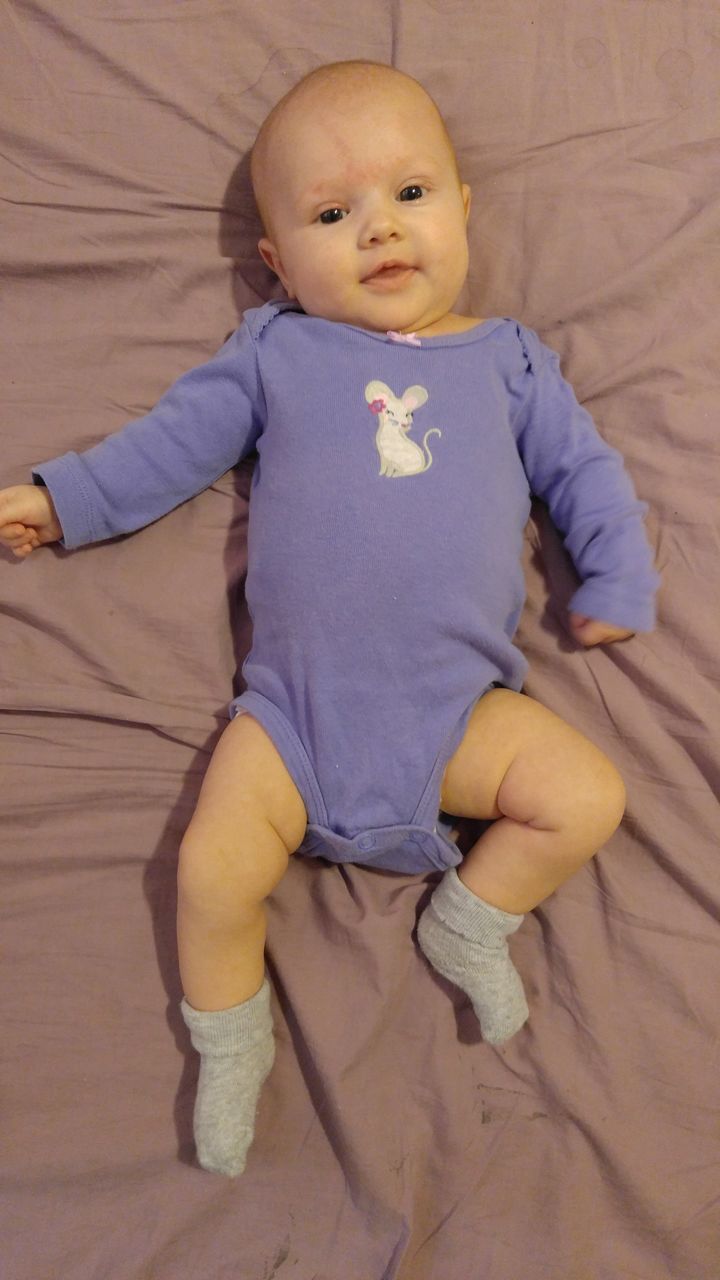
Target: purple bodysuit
x,y
388,504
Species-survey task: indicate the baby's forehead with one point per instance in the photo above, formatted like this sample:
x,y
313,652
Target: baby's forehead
x,y
363,119
362,135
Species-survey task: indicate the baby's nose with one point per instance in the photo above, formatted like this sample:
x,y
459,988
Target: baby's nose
x,y
382,232
380,225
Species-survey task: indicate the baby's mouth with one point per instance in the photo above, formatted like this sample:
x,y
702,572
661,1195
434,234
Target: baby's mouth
x,y
389,275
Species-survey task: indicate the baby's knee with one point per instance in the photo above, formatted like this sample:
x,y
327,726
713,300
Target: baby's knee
x,y
242,868
605,794
618,797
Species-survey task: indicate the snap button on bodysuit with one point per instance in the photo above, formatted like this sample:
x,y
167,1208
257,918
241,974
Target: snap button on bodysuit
x,y
366,842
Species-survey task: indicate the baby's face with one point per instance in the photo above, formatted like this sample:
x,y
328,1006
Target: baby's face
x,y
366,216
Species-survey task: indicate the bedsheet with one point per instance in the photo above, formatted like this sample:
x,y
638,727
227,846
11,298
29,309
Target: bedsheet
x,y
391,1144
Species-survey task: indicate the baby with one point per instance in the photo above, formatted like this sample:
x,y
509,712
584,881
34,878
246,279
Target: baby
x,y
399,443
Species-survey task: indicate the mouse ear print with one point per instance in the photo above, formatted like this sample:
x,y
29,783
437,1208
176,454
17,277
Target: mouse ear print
x,y
414,397
376,394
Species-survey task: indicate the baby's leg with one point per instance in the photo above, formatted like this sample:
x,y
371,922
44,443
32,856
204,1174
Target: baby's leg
x,y
556,800
249,819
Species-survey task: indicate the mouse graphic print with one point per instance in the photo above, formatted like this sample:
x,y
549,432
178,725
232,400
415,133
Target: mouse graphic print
x,y
399,455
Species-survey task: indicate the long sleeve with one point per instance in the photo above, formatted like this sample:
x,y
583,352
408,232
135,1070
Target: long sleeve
x,y
589,494
204,424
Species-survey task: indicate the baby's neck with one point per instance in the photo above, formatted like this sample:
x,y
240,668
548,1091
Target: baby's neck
x,y
450,323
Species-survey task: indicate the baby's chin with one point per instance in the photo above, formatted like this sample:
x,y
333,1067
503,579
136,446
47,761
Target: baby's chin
x,y
396,314
384,319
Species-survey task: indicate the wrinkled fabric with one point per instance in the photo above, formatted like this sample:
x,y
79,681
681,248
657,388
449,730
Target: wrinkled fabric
x,y
390,1143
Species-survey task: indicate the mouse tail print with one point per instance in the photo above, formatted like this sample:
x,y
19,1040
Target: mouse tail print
x,y
434,431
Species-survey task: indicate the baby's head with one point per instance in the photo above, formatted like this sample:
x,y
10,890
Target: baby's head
x,y
357,185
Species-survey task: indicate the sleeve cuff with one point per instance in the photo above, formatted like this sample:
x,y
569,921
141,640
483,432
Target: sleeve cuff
x,y
606,605
61,477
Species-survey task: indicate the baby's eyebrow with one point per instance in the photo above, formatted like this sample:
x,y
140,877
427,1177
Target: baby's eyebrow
x,y
321,191
328,187
394,167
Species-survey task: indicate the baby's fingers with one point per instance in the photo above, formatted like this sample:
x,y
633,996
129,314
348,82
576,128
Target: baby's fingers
x,y
12,533
591,631
19,539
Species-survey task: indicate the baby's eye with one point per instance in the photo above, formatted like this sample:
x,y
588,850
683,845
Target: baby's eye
x,y
413,192
331,215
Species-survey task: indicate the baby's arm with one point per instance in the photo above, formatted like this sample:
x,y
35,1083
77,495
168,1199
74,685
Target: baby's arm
x,y
208,420
27,519
591,500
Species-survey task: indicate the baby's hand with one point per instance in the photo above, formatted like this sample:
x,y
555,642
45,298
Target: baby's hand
x,y
588,631
28,519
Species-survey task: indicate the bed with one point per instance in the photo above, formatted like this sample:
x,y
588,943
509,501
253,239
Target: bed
x,y
391,1143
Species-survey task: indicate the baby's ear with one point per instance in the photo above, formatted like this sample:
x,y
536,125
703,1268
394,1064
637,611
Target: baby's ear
x,y
414,397
271,258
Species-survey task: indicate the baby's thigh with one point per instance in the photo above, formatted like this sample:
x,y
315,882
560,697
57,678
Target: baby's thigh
x,y
516,754
248,792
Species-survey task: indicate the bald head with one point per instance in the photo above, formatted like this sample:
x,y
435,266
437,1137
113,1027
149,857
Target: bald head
x,y
345,87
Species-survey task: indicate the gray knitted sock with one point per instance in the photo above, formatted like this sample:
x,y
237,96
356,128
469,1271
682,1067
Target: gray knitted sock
x,y
237,1049
464,939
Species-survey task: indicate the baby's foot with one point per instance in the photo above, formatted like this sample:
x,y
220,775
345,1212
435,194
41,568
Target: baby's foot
x,y
464,939
237,1050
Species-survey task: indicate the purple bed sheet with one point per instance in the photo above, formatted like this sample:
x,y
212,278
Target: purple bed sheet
x,y
392,1144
